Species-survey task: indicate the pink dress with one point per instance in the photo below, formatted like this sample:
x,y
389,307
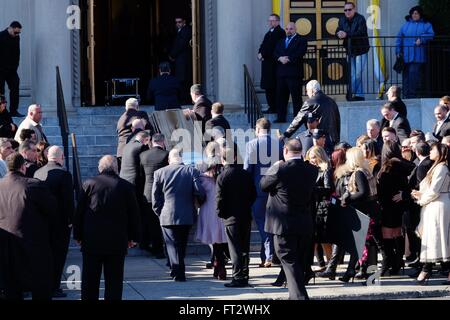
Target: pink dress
x,y
210,229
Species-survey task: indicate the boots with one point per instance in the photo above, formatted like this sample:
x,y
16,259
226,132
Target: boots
x,y
351,272
398,262
387,251
281,280
330,272
362,274
220,272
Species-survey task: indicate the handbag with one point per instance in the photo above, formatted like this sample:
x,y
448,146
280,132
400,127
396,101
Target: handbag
x,y
399,65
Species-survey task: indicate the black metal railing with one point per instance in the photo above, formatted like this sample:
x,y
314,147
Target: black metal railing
x,y
330,62
62,116
253,107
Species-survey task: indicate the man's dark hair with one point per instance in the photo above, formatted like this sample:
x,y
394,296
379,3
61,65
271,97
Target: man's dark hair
x,y
419,134
2,98
275,16
349,3
294,146
423,149
264,124
389,106
218,108
391,130
14,162
26,134
164,67
15,25
158,138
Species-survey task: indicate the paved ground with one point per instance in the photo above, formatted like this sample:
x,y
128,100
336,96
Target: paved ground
x,y
148,279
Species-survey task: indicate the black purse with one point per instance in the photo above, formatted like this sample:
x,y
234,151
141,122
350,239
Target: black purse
x,y
399,65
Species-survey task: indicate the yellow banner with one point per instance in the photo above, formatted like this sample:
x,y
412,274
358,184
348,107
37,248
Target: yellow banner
x,y
276,7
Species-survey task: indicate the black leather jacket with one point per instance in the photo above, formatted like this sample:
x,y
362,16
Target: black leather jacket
x,y
355,28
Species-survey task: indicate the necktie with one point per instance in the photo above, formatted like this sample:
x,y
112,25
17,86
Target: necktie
x,y
288,40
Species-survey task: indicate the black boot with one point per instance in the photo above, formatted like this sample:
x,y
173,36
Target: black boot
x,y
362,274
330,272
387,251
351,272
281,280
398,262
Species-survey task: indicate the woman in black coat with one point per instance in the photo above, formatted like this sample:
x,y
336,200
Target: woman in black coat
x,y
392,184
7,127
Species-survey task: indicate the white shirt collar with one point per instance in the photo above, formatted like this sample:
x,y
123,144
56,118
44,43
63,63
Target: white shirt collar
x,y
35,124
296,158
196,100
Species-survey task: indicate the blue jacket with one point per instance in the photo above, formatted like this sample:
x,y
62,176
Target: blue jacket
x,y
417,30
261,154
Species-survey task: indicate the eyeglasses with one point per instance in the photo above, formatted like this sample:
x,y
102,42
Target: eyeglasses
x,y
347,10
17,33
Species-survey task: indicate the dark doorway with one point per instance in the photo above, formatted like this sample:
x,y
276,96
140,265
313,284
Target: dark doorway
x,y
131,38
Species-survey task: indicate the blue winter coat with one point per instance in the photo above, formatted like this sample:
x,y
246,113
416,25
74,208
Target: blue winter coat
x,y
417,30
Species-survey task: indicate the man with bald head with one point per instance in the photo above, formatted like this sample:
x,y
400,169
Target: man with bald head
x,y
289,55
59,181
33,122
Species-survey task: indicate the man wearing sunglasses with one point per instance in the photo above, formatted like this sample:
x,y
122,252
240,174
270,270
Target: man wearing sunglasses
x,y
9,63
354,26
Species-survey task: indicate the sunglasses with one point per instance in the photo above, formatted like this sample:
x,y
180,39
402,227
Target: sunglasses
x,y
348,10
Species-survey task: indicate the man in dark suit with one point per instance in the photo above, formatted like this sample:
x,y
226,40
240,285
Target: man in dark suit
x,y
218,122
130,169
393,119
181,56
289,56
289,216
321,106
235,196
9,63
28,151
412,216
260,154
374,133
25,254
164,91
202,106
442,127
151,161
175,189
60,183
106,225
268,62
125,123
394,95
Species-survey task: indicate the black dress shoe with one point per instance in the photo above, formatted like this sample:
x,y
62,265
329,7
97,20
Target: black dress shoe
x,y
16,114
446,283
356,98
236,284
179,279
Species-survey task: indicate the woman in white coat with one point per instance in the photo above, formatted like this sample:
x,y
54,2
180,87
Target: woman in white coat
x,y
434,227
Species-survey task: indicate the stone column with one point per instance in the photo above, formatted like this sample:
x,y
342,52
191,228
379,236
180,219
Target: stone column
x,y
234,47
52,47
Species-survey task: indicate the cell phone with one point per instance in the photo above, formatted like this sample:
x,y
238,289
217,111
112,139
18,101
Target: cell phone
x,y
333,201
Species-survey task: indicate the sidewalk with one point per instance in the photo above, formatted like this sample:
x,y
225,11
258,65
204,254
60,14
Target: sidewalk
x,y
148,279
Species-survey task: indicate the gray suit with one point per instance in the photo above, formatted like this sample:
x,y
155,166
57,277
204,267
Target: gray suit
x,y
175,188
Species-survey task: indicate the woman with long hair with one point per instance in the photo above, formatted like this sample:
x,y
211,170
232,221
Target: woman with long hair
x,y
392,188
42,150
356,187
317,156
373,239
210,228
434,227
338,159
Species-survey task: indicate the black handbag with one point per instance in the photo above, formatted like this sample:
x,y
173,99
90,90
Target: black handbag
x,y
399,65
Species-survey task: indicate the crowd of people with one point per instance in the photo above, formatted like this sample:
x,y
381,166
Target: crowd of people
x,y
147,196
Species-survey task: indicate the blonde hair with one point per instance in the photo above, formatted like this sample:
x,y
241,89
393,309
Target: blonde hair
x,y
355,161
323,162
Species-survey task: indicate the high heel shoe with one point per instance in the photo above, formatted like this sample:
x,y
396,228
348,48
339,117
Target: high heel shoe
x,y
309,276
279,284
347,276
330,274
424,281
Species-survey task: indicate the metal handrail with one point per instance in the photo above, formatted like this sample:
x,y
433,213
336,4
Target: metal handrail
x,y
253,107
